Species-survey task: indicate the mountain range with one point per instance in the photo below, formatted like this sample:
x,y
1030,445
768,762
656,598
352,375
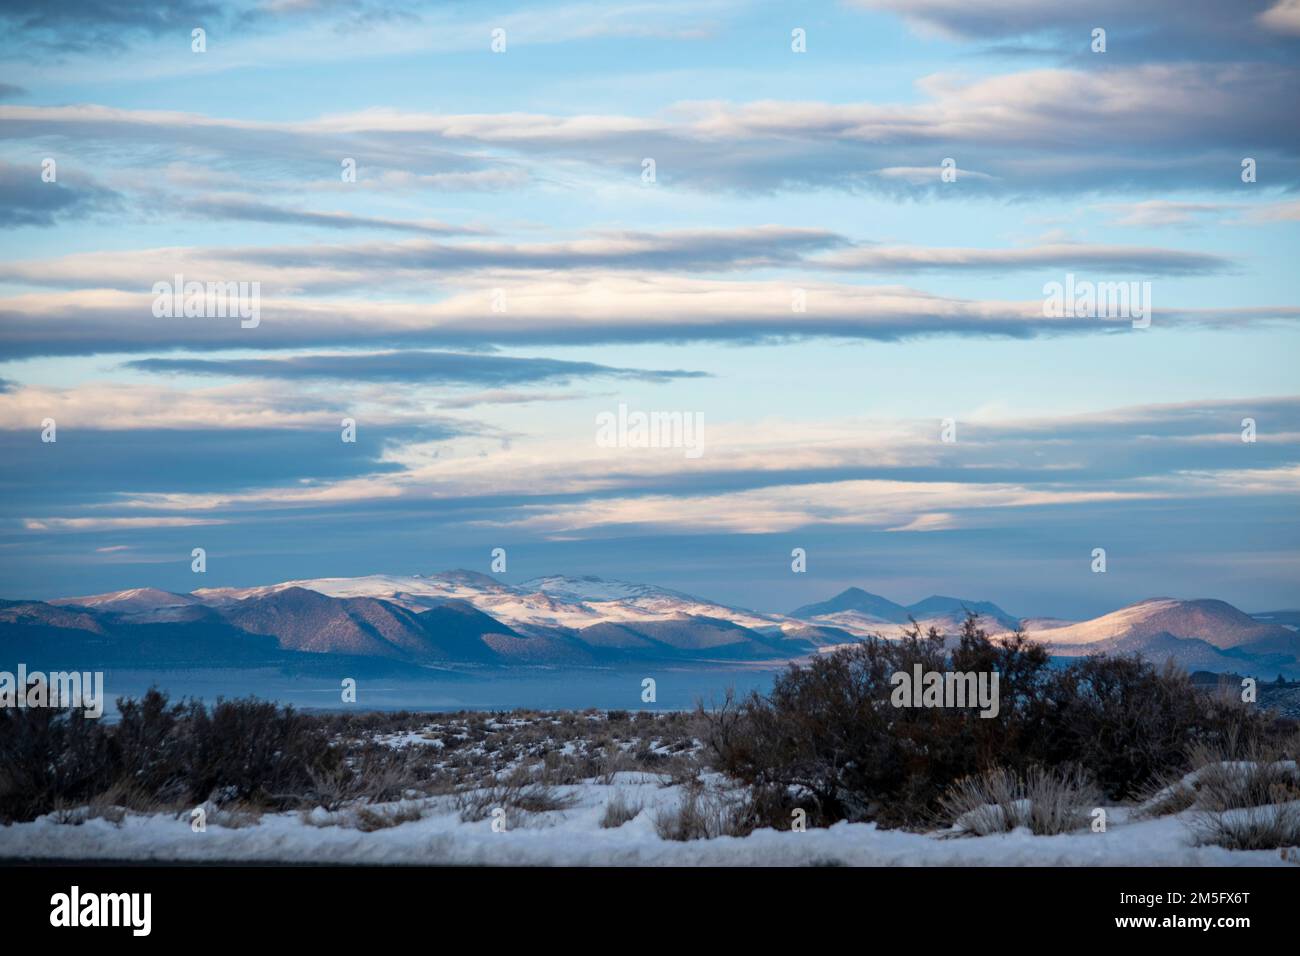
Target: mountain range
x,y
406,624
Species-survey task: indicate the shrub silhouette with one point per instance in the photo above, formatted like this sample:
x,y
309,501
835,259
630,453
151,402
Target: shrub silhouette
x,y
245,750
829,732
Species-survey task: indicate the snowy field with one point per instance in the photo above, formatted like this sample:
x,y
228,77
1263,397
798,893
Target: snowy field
x,y
614,789
574,837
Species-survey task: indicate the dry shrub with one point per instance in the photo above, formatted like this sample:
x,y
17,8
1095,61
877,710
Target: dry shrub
x,y
518,793
828,729
703,815
997,801
1247,797
369,819
619,810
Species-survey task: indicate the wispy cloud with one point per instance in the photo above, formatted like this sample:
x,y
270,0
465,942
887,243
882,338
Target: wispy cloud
x,y
608,309
1026,133
26,199
408,366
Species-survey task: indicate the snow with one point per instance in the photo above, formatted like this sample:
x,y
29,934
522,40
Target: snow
x,y
1213,621
555,601
132,597
542,604
574,837
591,588
1107,626
860,624
1192,781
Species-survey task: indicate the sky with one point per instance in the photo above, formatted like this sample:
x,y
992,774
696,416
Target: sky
x,y
825,233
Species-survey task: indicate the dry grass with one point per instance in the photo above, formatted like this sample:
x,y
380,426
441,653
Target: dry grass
x,y
1269,827
998,801
518,793
369,819
703,815
1168,794
619,810
235,816
1247,798
1245,795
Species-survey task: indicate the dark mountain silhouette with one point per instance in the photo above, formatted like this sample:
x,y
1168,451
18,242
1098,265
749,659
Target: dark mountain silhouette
x,y
855,599
440,621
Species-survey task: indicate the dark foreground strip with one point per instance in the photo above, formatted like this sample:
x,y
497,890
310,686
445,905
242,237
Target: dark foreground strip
x,y
339,905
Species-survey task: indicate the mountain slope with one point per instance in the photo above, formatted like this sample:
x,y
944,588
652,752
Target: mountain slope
x,y
954,609
463,617
1215,622
305,620
855,599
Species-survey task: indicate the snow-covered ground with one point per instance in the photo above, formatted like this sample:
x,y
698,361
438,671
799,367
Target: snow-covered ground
x,y
574,837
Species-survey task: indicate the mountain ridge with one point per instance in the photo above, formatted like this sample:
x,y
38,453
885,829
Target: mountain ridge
x,y
463,617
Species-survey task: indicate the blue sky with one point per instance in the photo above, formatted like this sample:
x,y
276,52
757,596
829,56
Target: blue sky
x,y
521,171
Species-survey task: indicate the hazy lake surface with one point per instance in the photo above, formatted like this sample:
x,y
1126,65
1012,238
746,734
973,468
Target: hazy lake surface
x,y
539,688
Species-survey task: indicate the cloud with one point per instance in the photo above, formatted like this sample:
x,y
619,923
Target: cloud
x,y
89,26
1112,258
1288,211
114,524
242,405
693,250
363,266
97,468
303,31
1162,212
244,209
430,368
571,311
27,200
1038,132
1282,17
1137,451
1154,29
885,505
1028,494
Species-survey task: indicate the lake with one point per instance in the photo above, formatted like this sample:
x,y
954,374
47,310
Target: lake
x,y
676,688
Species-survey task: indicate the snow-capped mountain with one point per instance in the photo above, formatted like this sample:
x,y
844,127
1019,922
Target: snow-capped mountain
x,y
465,617
1215,622
453,617
1198,635
513,606
545,602
143,604
591,588
864,604
863,613
619,600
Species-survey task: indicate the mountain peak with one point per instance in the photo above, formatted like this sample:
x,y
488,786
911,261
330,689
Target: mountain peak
x,y
590,587
855,599
1216,622
465,576
470,617
132,600
938,604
